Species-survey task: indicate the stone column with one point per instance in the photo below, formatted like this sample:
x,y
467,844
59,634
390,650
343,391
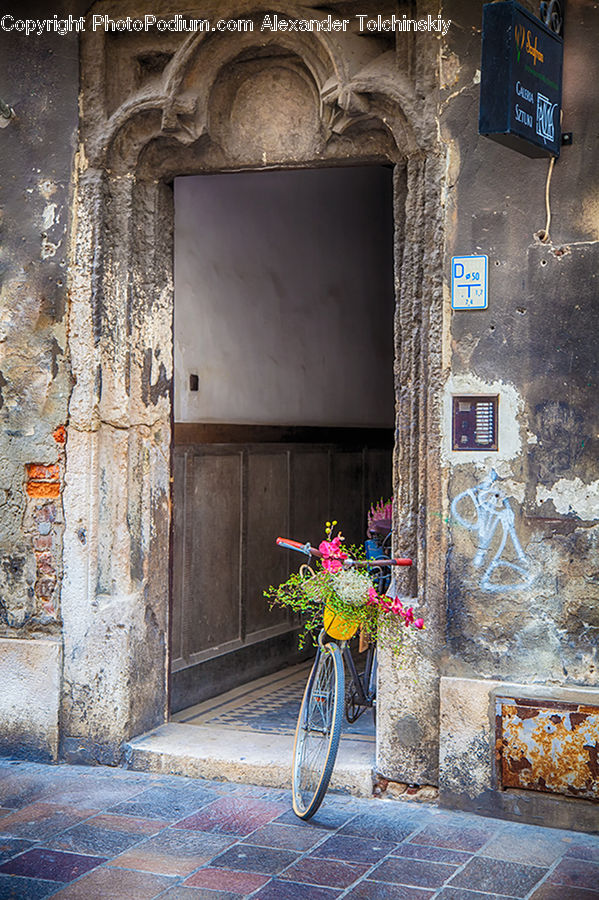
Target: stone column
x,y
408,696
117,499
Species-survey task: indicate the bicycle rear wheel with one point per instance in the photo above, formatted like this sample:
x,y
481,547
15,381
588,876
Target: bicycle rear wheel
x,y
318,731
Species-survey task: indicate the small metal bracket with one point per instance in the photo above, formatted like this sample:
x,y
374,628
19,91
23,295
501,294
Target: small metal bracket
x,y
552,15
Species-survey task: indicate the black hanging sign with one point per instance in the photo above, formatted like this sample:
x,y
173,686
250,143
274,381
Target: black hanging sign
x,y
521,81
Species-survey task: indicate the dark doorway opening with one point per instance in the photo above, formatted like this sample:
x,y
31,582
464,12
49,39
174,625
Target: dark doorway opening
x,y
283,401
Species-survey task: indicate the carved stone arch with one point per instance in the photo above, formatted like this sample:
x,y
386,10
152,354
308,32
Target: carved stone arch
x,y
356,105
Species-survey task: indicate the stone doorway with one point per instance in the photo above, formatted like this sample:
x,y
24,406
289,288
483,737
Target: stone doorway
x,y
155,107
283,400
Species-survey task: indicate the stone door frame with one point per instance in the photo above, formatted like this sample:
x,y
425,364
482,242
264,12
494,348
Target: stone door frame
x,y
181,120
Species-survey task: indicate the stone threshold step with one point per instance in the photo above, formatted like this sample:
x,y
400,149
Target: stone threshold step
x,y
209,751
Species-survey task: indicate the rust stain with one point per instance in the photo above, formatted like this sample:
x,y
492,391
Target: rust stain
x,y
526,712
548,746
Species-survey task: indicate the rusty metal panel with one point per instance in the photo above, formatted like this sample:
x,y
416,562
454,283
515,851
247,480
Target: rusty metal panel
x,y
546,745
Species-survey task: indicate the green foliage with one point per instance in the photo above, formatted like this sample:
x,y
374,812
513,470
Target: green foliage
x,y
307,592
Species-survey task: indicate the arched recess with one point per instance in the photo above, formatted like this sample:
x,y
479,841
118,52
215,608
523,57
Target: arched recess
x,y
151,109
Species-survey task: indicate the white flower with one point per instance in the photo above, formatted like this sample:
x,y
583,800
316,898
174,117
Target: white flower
x,y
351,586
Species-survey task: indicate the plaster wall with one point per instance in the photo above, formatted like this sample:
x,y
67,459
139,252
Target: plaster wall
x,y
37,155
527,611
533,347
284,297
39,78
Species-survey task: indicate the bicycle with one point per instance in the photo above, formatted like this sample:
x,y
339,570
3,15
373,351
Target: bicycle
x,y
318,729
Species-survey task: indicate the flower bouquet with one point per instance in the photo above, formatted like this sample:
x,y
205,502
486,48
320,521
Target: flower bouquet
x,y
339,592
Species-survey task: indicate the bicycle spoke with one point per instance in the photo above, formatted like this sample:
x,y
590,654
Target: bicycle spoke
x,y
317,734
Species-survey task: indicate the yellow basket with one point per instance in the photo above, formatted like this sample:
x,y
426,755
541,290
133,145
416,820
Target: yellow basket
x,y
337,626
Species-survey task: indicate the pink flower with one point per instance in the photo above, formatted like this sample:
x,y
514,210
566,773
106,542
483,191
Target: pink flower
x,y
332,554
373,597
419,623
396,607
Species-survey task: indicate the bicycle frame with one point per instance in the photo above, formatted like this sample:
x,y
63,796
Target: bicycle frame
x,y
365,696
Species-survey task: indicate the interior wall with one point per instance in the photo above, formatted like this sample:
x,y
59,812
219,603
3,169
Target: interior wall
x,y
284,297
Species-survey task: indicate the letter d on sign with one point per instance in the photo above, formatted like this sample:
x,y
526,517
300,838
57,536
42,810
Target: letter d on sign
x,y
458,270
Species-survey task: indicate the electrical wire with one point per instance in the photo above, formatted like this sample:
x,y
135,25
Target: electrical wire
x,y
544,236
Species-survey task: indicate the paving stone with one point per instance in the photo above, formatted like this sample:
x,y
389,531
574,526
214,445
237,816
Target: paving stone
x,y
288,890
21,788
168,803
50,864
14,888
454,837
354,849
376,890
10,847
286,836
576,873
549,891
433,854
449,893
188,893
99,792
172,852
275,795
498,877
247,858
327,872
581,848
230,816
412,872
115,884
329,818
39,821
226,880
127,824
525,845
88,838
388,825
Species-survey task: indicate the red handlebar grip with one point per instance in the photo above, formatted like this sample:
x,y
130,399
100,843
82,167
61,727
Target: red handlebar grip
x,y
291,543
403,562
296,545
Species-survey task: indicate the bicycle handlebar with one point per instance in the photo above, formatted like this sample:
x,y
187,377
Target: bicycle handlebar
x,y
312,551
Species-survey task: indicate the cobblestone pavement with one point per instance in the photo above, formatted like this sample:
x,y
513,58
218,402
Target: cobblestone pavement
x,y
79,833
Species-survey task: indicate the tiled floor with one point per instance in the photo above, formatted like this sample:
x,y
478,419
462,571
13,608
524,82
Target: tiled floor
x,y
270,705
107,834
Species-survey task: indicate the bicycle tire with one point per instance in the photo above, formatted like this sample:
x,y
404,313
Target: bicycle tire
x,y
318,731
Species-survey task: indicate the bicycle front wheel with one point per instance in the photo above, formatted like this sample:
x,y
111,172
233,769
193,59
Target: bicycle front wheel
x,y
318,731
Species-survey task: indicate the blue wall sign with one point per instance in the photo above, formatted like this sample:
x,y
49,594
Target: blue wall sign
x,y
469,282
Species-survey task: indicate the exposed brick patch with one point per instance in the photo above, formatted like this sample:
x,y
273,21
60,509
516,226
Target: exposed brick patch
x,y
43,521
43,481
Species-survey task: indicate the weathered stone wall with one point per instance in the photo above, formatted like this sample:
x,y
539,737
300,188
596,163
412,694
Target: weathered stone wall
x,y
154,106
39,78
152,109
535,620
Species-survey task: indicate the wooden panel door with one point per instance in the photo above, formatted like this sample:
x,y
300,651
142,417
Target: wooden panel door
x,y
231,501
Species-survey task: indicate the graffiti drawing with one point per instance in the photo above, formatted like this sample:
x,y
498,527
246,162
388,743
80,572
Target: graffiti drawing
x,y
491,511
